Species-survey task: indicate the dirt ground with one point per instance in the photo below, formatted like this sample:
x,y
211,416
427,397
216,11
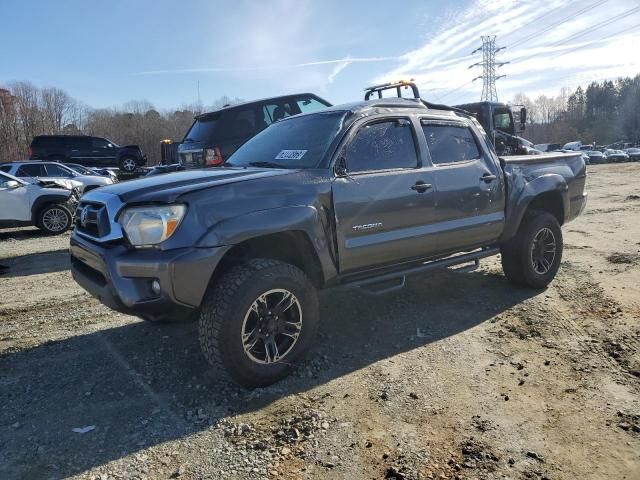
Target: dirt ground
x,y
456,376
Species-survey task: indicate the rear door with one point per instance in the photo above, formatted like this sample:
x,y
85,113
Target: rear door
x,y
385,205
470,187
80,150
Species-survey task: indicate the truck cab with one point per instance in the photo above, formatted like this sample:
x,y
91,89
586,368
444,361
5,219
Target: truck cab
x,y
498,121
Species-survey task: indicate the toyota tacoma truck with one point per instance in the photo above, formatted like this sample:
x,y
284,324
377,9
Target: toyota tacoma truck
x,y
358,195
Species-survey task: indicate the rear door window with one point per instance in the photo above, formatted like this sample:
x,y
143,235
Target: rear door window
x,y
83,144
31,170
57,171
450,143
244,122
382,146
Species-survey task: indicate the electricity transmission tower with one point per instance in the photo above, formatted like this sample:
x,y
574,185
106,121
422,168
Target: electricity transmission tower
x,y
489,66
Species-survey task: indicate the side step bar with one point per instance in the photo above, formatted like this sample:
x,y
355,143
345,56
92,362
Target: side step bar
x,y
389,282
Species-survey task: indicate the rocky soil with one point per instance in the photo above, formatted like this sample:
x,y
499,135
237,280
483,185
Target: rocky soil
x,y
456,376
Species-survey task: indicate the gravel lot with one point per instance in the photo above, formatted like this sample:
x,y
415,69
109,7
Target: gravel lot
x,y
456,376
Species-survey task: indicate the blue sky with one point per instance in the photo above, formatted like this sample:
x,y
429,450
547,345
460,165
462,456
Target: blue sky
x,y
107,53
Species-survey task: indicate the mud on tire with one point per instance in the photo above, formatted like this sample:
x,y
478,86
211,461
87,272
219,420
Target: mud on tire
x,y
532,258
241,299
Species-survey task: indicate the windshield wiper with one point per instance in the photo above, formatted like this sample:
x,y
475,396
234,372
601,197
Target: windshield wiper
x,y
266,165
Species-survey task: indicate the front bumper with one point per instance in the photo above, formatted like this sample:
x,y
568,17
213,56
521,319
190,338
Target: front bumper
x,y
121,277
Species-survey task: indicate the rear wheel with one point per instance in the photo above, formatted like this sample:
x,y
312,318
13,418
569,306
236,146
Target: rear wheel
x,y
128,164
532,258
258,321
54,219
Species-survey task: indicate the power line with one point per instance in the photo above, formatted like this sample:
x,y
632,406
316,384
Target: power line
x,y
537,33
599,40
583,32
531,22
553,25
599,25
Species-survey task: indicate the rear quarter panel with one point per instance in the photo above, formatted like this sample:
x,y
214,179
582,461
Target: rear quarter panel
x,y
528,176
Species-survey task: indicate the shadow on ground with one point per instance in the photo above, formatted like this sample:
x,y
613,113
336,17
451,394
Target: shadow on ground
x,y
36,263
139,384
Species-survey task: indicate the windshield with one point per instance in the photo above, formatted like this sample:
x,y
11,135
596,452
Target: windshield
x,y
202,129
297,143
502,120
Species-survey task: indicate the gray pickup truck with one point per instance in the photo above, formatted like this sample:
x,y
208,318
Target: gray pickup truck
x,y
357,195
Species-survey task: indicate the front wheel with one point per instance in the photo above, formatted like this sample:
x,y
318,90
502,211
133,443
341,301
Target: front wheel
x,y
532,258
128,164
258,320
54,219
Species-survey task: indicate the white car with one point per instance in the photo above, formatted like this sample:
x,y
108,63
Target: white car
x,y
44,204
31,171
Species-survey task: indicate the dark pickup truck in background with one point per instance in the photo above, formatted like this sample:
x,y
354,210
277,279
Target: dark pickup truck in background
x,y
358,195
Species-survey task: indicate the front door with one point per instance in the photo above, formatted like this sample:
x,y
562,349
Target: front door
x,y
470,189
14,201
385,203
103,152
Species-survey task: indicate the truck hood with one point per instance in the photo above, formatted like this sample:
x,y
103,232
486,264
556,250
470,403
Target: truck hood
x,y
167,188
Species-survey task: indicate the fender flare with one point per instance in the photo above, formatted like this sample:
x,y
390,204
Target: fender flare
x,y
306,219
521,198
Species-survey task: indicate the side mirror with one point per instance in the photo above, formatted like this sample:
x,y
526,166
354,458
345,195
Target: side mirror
x,y
13,184
341,167
523,117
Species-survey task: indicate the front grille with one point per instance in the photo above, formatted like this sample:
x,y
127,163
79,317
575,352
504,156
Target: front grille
x,y
92,219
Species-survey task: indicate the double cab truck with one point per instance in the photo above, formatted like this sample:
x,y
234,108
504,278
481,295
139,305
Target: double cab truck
x,y
357,195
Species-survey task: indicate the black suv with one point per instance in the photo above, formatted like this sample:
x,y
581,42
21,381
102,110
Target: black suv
x,y
86,150
215,136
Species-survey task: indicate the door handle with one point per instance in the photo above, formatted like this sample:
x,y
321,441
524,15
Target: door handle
x,y
488,177
421,186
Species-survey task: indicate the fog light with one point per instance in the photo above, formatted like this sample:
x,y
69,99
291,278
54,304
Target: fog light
x,y
155,287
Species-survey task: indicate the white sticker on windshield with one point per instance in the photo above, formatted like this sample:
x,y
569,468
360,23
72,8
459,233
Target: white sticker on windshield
x,y
290,154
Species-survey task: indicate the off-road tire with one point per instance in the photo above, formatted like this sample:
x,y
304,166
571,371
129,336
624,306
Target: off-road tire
x,y
223,310
125,164
517,264
45,224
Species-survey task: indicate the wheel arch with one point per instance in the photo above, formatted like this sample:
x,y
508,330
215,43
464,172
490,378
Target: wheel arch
x,y
45,200
548,193
293,247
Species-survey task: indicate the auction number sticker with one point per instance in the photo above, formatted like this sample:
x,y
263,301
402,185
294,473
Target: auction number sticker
x,y
290,154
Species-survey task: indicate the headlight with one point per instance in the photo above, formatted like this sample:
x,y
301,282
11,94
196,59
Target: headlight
x,y
146,226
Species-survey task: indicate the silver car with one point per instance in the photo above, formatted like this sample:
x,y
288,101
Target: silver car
x,y
32,170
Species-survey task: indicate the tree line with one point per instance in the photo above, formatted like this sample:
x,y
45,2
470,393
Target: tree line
x,y
603,112
27,111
